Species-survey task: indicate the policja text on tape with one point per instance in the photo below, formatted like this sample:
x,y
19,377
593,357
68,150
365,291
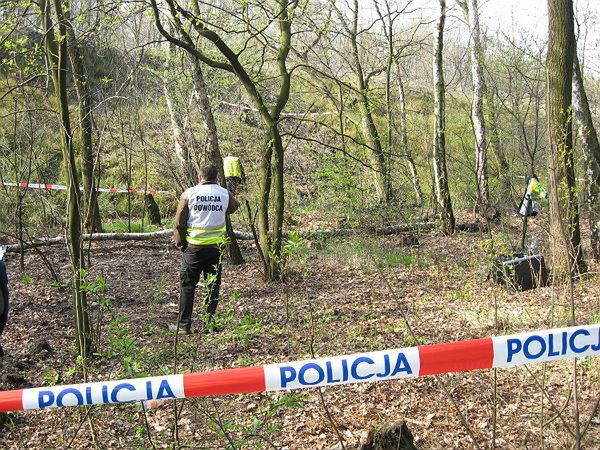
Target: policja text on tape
x,y
461,356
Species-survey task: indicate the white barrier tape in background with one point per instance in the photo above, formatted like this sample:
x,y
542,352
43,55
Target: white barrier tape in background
x,y
61,187
285,114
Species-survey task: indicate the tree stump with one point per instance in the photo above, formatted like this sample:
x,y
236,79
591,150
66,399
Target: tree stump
x,y
492,214
391,436
40,346
410,240
152,208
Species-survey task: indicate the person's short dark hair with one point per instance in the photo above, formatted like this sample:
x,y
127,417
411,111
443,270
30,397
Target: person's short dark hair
x,y
209,172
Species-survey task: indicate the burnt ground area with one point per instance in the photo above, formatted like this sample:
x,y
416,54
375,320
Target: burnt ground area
x,y
334,302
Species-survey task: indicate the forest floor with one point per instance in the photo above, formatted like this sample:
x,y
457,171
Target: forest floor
x,y
334,302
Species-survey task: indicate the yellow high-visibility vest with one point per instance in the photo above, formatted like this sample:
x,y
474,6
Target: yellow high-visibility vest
x,y
207,206
231,167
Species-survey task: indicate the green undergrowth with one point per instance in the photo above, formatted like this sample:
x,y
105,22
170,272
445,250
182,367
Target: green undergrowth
x,y
121,226
362,252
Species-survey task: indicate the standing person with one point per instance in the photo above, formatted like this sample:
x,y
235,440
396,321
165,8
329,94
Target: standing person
x,y
234,173
200,232
3,298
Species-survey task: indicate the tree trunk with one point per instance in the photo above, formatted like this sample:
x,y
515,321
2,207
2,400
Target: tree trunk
x,y
152,209
377,158
404,141
212,145
278,203
389,436
498,150
93,221
263,206
591,153
471,13
57,56
369,130
273,157
564,210
181,144
439,127
208,122
388,31
270,246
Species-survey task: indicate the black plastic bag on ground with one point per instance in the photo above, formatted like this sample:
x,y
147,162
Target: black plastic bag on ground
x,y
520,272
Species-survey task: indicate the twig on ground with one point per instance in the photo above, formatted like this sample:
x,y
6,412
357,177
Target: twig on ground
x,y
88,410
552,406
438,379
592,415
148,432
319,391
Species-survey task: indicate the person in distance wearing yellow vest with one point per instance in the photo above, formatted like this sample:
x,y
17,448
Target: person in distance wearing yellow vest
x,y
234,173
200,232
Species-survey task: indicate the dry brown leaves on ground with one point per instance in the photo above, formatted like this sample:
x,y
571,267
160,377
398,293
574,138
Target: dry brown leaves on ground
x,y
335,300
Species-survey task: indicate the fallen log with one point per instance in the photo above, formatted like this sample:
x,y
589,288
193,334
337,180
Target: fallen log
x,y
244,236
14,248
381,231
87,237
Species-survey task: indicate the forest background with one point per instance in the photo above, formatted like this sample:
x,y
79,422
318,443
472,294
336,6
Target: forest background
x,y
346,115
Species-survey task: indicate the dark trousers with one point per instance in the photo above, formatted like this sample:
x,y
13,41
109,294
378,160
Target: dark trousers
x,y
3,296
199,260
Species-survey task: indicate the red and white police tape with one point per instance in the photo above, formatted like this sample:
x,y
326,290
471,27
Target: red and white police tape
x,y
499,351
61,187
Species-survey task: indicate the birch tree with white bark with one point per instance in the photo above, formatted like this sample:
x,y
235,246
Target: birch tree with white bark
x,y
471,13
178,35
440,170
591,152
181,144
388,19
